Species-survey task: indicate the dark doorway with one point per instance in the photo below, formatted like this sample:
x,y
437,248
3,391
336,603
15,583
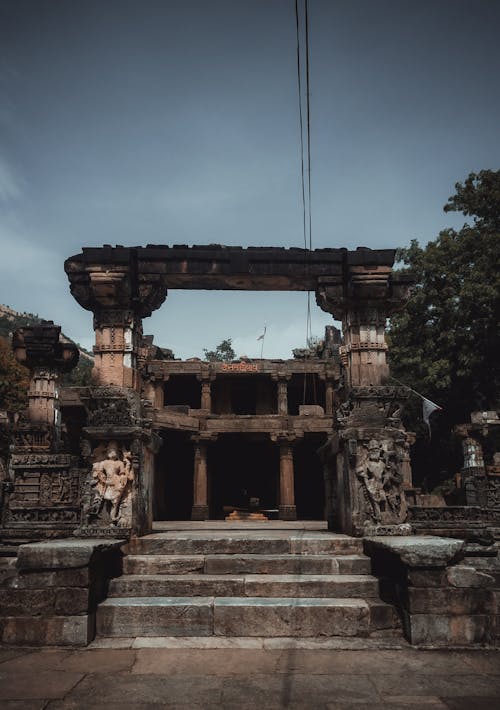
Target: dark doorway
x,y
241,467
173,485
305,389
309,485
182,389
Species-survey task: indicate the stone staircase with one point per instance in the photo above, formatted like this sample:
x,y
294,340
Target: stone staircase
x,y
245,584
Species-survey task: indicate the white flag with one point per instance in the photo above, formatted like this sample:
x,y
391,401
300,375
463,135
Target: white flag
x,y
261,337
427,408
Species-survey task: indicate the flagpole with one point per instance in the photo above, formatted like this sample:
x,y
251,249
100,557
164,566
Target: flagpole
x,y
262,339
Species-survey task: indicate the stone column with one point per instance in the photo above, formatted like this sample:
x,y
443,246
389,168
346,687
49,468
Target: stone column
x,y
281,380
44,477
362,299
287,508
200,480
39,349
206,395
370,462
120,290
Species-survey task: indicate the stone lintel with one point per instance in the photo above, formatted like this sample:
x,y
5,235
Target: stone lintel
x,y
62,554
220,267
418,550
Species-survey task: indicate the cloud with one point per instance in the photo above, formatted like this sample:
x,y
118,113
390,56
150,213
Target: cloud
x,y
10,187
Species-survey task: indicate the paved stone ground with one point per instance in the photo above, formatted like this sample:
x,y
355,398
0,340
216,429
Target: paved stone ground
x,y
239,678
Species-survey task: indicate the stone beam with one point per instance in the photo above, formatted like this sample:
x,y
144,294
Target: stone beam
x,y
221,267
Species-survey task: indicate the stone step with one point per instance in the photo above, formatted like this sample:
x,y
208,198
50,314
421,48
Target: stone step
x,y
247,564
233,617
223,543
205,585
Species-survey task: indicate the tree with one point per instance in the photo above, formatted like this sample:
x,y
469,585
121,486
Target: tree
x,y
446,344
223,352
14,380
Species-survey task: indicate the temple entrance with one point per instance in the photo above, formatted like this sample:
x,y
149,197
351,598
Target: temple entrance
x,y
243,467
309,483
173,484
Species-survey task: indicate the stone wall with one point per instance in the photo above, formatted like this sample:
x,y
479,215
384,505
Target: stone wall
x,y
448,593
52,597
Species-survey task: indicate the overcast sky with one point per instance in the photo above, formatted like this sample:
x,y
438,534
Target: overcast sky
x,y
176,122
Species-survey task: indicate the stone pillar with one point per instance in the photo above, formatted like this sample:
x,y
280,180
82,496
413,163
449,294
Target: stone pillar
x,y
200,480
206,395
370,468
281,380
43,486
120,291
473,473
159,393
287,508
362,298
39,349
329,390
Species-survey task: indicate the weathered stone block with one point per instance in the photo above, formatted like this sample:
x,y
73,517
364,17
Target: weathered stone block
x,y
156,616
70,601
25,602
383,616
47,631
465,576
454,601
427,577
290,617
62,554
444,630
418,550
79,577
163,564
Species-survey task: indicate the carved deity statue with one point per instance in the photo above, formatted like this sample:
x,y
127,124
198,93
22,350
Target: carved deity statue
x,y
381,483
371,475
110,482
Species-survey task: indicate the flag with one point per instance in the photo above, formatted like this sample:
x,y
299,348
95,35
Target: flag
x,y
427,408
261,337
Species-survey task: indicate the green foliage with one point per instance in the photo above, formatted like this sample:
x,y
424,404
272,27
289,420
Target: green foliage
x,y
446,344
81,376
223,352
14,380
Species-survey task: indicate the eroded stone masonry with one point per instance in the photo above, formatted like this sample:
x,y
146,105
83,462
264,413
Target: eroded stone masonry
x,y
316,437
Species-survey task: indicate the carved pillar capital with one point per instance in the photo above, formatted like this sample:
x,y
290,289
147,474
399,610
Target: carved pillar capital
x,y
363,300
120,290
40,349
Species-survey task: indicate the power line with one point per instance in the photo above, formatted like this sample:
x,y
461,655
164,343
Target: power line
x,y
301,124
308,94
305,152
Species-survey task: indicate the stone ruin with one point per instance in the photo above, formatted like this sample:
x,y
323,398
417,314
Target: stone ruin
x,y
86,462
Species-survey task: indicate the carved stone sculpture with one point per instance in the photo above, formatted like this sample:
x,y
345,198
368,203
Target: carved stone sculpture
x,y
110,487
381,481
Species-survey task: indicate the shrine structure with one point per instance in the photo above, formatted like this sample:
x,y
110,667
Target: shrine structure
x,y
318,437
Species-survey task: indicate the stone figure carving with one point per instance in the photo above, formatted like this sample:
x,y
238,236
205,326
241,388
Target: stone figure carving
x,y
371,475
381,483
110,487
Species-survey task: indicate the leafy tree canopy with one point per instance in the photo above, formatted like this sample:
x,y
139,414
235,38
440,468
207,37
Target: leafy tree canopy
x,y
14,380
446,343
223,352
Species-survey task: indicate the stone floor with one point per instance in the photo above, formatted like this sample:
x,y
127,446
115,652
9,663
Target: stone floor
x,y
239,678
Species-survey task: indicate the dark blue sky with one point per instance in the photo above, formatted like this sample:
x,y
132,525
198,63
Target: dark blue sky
x,y
149,121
